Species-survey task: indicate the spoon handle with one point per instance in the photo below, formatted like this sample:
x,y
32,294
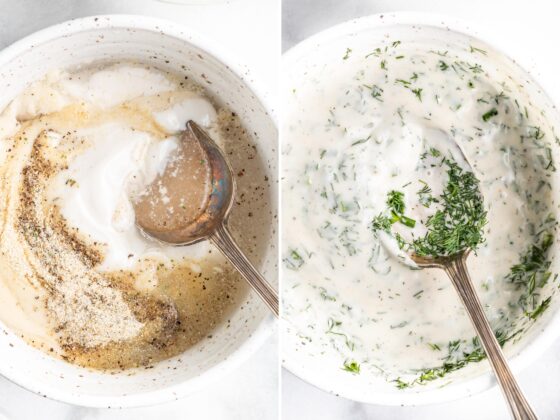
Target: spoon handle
x,y
456,269
224,241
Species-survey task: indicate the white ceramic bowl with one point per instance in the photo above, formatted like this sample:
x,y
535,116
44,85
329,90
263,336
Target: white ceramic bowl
x,y
303,358
170,47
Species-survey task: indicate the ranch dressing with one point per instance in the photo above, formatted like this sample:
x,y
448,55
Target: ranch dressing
x,y
357,130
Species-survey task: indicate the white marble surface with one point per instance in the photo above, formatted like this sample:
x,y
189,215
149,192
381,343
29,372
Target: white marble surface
x,y
529,30
251,392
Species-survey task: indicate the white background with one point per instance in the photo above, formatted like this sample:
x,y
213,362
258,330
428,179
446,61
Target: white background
x,y
529,31
250,31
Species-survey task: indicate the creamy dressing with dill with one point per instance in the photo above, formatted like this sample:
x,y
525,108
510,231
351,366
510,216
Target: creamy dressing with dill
x,y
361,126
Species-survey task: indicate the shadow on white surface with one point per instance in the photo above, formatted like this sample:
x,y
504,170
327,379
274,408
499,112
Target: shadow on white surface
x,y
249,393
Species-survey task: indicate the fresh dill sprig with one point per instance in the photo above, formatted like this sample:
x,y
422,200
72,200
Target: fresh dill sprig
x,y
376,92
459,224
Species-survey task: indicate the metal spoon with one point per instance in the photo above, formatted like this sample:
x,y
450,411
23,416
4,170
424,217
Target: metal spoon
x,y
210,221
456,268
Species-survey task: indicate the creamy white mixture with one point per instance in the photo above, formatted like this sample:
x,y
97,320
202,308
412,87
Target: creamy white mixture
x,y
360,127
78,278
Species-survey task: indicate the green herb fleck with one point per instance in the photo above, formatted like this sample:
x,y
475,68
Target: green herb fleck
x,y
443,65
455,360
294,260
376,93
351,366
474,49
425,195
418,93
325,295
489,114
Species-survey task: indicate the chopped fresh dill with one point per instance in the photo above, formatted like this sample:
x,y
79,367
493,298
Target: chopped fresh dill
x,y
434,152
418,294
474,49
489,114
535,133
455,360
418,93
325,295
376,93
400,384
400,241
332,325
407,221
531,274
476,68
540,309
456,226
351,366
361,141
459,224
294,260
396,207
347,53
383,64
395,201
434,347
443,65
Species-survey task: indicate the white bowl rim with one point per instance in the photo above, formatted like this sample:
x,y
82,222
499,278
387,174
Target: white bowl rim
x,y
542,341
267,325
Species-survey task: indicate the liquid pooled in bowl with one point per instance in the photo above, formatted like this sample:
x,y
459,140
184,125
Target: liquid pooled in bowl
x,y
78,279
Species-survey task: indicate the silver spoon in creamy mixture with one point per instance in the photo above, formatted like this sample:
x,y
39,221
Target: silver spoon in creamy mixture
x,y
450,233
190,201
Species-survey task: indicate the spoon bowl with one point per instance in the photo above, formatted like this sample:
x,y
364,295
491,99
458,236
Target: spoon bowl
x,y
215,210
209,222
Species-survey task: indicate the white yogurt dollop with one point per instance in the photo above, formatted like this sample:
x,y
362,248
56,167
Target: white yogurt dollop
x,y
119,162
